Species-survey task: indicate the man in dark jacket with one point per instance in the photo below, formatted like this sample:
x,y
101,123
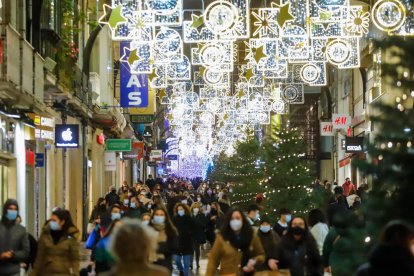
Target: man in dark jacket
x,y
112,197
14,243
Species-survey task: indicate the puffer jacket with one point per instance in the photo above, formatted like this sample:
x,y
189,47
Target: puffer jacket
x,y
61,259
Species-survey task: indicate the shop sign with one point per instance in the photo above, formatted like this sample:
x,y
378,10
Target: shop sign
x,y
151,164
100,139
133,87
67,136
354,144
118,144
147,132
341,121
136,153
156,155
110,161
30,157
40,160
44,126
343,144
327,129
141,119
172,157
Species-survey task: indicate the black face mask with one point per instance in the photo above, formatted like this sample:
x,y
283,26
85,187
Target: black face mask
x,y
297,231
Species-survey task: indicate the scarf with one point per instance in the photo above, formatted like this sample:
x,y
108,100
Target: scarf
x,y
161,237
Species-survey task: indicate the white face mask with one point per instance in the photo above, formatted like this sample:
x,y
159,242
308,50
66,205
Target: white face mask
x,y
196,211
236,224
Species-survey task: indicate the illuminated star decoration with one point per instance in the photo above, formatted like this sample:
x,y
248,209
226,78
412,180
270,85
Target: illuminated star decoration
x,y
130,56
284,14
161,94
153,75
197,21
262,23
258,53
115,18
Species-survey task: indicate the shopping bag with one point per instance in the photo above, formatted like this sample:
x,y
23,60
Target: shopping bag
x,y
92,239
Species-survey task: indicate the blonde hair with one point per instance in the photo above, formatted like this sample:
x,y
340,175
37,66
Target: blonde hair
x,y
195,205
125,251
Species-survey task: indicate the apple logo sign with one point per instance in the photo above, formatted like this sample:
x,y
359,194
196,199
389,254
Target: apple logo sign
x,y
67,135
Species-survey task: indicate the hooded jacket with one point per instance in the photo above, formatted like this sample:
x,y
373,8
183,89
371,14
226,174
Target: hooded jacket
x,y
13,237
60,259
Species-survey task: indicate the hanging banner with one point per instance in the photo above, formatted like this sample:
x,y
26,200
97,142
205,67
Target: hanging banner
x,y
327,129
133,87
341,121
156,155
110,161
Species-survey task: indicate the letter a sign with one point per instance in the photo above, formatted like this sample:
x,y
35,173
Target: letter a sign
x,y
133,88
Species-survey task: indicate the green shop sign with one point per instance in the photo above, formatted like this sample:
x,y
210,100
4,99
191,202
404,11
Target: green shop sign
x,y
142,119
118,144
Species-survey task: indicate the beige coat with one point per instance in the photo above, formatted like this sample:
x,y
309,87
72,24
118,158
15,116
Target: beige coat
x,y
61,259
230,258
137,270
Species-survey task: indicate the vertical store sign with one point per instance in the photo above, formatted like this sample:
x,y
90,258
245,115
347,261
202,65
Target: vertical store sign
x,y
133,87
341,121
327,129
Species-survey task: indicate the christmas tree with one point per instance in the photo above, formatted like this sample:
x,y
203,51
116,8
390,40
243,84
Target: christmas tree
x,y
273,172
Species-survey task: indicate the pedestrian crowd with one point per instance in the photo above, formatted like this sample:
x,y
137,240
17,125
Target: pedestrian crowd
x,y
159,226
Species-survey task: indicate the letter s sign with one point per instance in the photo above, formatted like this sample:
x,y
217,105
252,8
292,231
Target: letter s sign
x,y
133,88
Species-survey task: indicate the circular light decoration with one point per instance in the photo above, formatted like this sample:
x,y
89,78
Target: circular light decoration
x,y
164,7
168,42
212,55
309,73
388,15
278,106
212,77
261,117
221,17
290,92
338,51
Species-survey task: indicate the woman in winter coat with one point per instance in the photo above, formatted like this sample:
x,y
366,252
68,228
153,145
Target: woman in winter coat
x,y
268,238
199,237
237,248
297,251
58,251
186,230
167,238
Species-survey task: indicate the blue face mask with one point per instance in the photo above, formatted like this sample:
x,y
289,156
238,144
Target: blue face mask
x,y
115,216
11,215
181,213
158,220
132,205
145,222
265,228
288,218
55,226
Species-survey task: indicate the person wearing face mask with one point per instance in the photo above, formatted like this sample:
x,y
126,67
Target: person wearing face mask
x,y
14,241
167,238
209,196
103,259
237,248
186,230
112,197
297,251
253,214
135,209
282,224
214,222
98,212
394,254
199,237
58,248
146,218
268,238
114,213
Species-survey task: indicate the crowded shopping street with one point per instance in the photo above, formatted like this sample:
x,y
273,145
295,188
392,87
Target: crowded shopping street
x,y
206,138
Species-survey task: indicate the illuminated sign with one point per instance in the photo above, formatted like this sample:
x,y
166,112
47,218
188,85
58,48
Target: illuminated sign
x,y
67,136
354,144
